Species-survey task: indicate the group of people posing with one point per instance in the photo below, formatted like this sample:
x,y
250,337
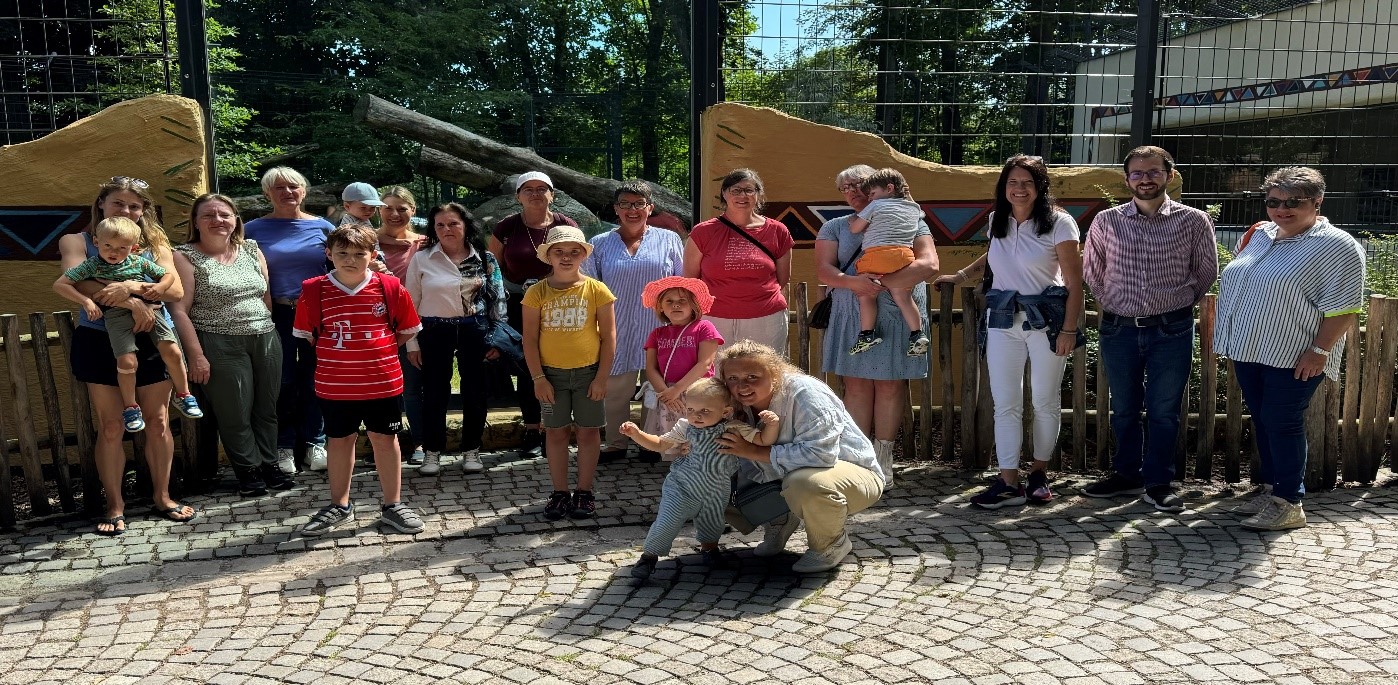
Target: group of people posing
x,y
299,332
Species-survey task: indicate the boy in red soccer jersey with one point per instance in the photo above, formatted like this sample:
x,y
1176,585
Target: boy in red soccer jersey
x,y
357,320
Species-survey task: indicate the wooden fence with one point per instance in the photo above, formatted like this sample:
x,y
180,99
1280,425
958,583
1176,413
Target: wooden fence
x,y
1351,424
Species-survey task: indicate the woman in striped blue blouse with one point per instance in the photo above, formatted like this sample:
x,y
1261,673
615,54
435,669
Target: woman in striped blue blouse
x,y
1284,304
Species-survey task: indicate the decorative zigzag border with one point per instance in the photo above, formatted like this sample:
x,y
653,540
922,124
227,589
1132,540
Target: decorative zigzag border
x,y
1348,78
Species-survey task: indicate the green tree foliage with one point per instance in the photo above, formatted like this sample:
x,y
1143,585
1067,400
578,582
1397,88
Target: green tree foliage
x,y
135,28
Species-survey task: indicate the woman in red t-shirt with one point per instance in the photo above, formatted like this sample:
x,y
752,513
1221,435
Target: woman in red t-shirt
x,y
747,280
515,243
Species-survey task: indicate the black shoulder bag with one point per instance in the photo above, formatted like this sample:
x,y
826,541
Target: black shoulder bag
x,y
820,313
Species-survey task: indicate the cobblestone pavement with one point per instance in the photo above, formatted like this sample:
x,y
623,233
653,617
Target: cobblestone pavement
x,y
1079,592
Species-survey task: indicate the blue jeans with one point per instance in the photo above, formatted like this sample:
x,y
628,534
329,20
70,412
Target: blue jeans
x,y
1147,368
1277,402
412,395
299,420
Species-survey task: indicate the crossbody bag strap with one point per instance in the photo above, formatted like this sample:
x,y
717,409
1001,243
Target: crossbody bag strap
x,y
666,371
748,238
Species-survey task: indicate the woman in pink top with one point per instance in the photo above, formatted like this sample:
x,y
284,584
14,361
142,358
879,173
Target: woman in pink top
x,y
745,259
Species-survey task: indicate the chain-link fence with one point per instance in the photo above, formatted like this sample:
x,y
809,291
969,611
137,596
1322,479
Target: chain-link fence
x,y
1236,88
61,60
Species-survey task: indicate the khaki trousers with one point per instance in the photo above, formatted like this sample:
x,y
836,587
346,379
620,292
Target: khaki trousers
x,y
824,498
621,388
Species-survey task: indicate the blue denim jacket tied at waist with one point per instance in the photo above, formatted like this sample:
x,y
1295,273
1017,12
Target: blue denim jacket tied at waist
x,y
1047,310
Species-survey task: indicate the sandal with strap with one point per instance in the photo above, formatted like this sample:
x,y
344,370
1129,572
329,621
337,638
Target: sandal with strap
x,y
118,520
171,513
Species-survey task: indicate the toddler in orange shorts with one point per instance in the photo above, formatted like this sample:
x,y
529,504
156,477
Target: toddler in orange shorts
x,y
889,225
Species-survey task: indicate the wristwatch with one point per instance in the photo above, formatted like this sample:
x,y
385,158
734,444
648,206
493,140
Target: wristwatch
x,y
1320,351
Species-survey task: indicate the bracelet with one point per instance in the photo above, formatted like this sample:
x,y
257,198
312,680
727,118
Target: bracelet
x,y
1064,330
535,378
962,274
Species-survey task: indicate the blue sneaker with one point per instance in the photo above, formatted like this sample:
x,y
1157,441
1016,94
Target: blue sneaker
x,y
1000,494
188,407
131,416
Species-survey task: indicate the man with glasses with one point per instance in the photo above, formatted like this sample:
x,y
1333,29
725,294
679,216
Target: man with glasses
x,y
1147,262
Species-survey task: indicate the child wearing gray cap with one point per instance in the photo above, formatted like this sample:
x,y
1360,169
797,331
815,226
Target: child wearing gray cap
x,y
361,202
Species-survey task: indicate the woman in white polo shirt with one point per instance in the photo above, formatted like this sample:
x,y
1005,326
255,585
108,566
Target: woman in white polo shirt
x,y
1036,300
1284,304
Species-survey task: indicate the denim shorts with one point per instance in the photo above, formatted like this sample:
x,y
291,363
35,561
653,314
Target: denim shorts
x,y
570,401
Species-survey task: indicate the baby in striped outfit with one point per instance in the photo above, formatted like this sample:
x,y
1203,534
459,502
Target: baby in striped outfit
x,y
700,481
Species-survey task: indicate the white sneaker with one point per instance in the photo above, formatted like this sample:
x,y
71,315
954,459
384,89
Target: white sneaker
x,y
1256,503
815,561
431,463
286,460
883,452
775,536
471,462
1277,514
316,457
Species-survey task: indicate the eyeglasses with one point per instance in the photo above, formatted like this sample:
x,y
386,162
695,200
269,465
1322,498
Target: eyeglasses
x,y
849,187
136,183
1153,174
741,191
1289,203
536,190
639,204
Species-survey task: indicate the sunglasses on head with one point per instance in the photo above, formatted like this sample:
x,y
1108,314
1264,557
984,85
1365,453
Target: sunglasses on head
x,y
136,183
1289,203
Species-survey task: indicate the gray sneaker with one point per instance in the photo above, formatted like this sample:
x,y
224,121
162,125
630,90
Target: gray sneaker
x,y
401,517
1257,500
327,518
1277,514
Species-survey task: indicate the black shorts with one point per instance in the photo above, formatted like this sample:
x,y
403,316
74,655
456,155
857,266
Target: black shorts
x,y
92,360
383,415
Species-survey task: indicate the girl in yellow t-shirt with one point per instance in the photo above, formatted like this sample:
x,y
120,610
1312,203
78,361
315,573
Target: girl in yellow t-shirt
x,y
569,340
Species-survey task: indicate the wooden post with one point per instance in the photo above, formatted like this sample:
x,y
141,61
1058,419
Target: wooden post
x,y
1368,398
1388,360
28,441
1233,429
1208,388
985,419
48,392
944,326
970,375
1349,413
803,328
1314,422
1103,404
7,496
1077,461
82,422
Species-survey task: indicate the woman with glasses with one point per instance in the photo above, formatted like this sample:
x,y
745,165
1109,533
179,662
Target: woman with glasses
x,y
745,259
225,325
94,364
515,242
1284,304
398,243
1034,303
293,243
876,382
626,259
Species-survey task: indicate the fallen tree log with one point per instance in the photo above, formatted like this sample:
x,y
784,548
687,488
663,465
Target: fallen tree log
x,y
596,193
441,165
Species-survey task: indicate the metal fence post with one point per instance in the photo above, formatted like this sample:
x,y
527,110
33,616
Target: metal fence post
x,y
194,72
705,86
1143,82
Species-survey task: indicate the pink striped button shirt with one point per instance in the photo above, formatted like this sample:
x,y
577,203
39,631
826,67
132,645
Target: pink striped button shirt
x,y
1139,265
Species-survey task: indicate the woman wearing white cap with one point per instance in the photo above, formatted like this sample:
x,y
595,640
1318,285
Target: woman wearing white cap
x,y
515,243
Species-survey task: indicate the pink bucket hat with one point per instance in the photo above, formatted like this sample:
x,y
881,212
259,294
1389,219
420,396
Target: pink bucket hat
x,y
702,299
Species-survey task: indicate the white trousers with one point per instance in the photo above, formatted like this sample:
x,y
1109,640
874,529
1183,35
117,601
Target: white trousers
x,y
769,330
1006,350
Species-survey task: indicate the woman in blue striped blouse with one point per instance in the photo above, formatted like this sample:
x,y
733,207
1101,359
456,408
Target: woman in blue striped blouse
x,y
1284,304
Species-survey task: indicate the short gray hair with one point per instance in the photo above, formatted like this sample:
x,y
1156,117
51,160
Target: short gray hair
x,y
282,173
1296,181
855,174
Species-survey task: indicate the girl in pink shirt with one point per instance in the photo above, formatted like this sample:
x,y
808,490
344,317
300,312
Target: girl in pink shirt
x,y
682,350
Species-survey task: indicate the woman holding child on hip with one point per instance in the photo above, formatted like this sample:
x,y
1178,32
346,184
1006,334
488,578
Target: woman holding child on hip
x,y
94,364
745,259
456,286
1035,307
225,322
876,381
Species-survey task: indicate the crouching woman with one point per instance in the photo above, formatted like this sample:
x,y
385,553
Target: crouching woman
x,y
825,464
